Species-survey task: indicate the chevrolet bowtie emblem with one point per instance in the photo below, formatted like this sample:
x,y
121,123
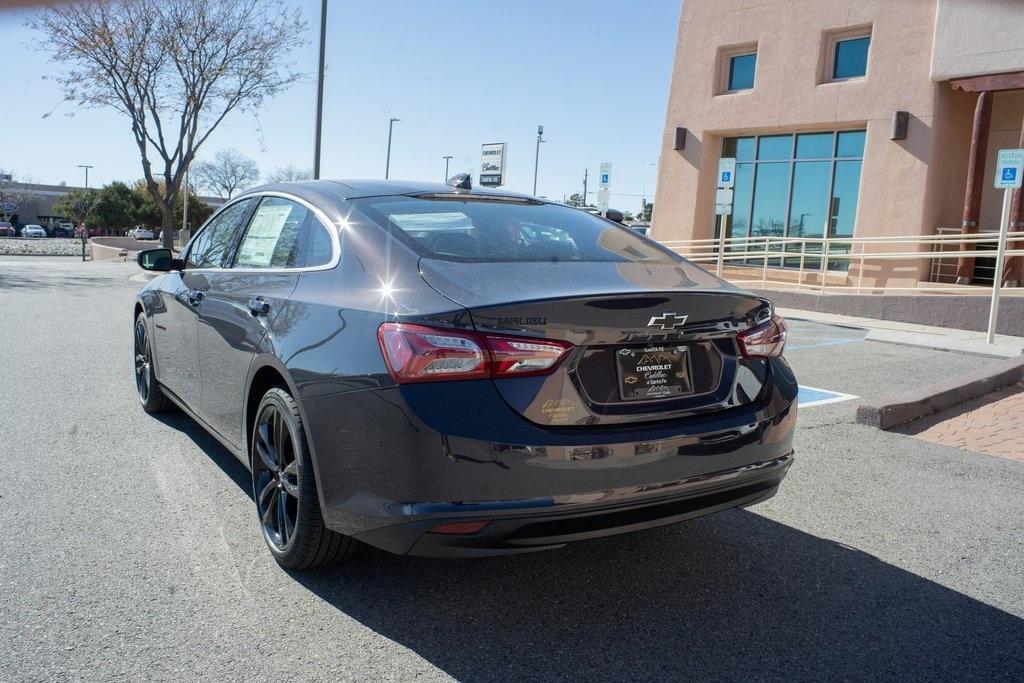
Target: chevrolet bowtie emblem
x,y
667,321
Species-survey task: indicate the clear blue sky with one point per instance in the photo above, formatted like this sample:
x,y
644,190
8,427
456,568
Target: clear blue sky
x,y
594,73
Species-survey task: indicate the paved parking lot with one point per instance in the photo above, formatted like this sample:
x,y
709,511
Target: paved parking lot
x,y
129,547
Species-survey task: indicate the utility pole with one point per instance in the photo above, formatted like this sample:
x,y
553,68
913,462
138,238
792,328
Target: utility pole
x,y
320,91
536,157
586,172
447,158
387,162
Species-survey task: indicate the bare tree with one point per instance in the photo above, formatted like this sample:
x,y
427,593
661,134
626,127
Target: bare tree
x,y
175,68
289,174
229,172
13,191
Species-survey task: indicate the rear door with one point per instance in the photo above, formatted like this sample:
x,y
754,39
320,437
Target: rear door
x,y
242,302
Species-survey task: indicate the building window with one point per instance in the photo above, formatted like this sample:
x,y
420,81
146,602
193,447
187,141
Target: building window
x,y
851,60
737,65
795,185
741,72
846,54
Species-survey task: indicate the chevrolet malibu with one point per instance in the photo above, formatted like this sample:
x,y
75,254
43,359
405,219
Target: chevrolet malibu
x,y
445,371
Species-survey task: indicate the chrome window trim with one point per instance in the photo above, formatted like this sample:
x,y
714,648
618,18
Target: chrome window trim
x,y
322,219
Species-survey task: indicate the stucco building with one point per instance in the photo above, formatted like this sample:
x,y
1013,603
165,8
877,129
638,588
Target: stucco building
x,y
857,117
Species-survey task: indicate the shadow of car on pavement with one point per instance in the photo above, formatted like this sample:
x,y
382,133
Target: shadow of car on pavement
x,y
730,596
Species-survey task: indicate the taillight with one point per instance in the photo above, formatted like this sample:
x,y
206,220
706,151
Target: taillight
x,y
764,341
512,357
416,353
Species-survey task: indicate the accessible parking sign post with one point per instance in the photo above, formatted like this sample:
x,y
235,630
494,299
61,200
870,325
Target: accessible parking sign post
x,y
1009,169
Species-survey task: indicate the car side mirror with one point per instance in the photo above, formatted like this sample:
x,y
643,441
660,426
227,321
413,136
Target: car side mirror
x,y
159,260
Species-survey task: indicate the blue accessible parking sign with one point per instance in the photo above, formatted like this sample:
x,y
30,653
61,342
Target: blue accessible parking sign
x,y
1009,166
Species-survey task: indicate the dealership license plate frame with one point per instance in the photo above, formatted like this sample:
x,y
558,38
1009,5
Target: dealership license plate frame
x,y
678,378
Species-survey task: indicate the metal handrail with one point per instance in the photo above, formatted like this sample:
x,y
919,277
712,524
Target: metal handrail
x,y
770,255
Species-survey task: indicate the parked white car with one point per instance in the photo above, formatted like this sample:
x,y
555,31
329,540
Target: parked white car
x,y
143,234
33,231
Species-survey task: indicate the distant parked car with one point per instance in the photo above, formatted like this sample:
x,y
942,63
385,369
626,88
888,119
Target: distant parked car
x,y
142,234
6,229
33,231
64,229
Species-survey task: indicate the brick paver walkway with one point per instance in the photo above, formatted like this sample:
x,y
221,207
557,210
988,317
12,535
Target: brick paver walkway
x,y
992,424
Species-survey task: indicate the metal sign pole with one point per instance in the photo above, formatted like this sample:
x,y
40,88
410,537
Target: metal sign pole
x,y
1004,222
721,245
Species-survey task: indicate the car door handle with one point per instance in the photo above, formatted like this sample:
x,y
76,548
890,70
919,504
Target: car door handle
x,y
259,306
195,297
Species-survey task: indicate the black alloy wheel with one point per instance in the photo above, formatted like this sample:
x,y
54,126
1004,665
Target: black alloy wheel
x,y
150,394
276,477
284,489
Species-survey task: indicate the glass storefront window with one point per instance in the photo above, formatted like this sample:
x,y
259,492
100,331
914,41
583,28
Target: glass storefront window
x,y
850,143
814,145
774,147
797,186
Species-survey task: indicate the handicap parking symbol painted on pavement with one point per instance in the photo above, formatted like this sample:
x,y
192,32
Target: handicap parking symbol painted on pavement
x,y
810,396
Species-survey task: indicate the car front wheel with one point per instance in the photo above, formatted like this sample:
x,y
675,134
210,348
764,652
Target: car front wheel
x,y
150,394
284,489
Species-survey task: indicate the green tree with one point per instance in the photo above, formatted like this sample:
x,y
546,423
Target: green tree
x,y
116,210
150,215
645,212
576,199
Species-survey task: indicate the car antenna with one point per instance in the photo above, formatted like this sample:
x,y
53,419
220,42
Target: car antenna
x,y
461,181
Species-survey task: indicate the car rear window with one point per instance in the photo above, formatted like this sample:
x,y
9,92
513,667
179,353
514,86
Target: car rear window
x,y
480,229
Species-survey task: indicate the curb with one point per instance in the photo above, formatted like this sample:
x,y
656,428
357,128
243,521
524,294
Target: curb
x,y
899,410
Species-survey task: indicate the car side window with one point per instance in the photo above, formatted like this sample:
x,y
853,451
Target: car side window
x,y
283,234
214,242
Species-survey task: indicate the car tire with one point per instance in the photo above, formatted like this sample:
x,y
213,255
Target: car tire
x,y
284,489
150,394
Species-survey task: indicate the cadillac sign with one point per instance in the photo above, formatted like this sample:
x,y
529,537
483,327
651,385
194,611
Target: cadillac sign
x,y
492,164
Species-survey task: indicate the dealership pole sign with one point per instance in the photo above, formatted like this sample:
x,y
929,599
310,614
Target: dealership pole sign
x,y
492,164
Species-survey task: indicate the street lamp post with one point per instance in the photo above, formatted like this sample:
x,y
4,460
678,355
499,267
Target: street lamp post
x,y
85,233
536,157
387,162
447,158
320,91
643,177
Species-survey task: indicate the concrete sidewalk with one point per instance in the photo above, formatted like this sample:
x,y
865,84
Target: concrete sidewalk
x,y
925,336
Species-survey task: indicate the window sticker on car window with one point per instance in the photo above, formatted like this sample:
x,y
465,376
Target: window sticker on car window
x,y
451,220
261,238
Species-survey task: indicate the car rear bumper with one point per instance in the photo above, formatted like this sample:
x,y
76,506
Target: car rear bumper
x,y
518,526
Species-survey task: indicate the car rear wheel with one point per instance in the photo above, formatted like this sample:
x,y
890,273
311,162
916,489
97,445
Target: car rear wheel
x,y
150,394
284,489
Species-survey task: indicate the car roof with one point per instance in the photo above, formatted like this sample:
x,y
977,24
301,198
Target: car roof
x,y
354,189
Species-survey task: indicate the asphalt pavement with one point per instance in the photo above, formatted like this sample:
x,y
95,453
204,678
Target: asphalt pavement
x,y
129,546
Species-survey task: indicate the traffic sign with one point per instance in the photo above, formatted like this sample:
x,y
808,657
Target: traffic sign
x,y
726,172
602,199
723,209
606,175
1009,168
723,196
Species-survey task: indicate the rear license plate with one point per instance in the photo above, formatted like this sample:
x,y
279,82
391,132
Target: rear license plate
x,y
653,373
